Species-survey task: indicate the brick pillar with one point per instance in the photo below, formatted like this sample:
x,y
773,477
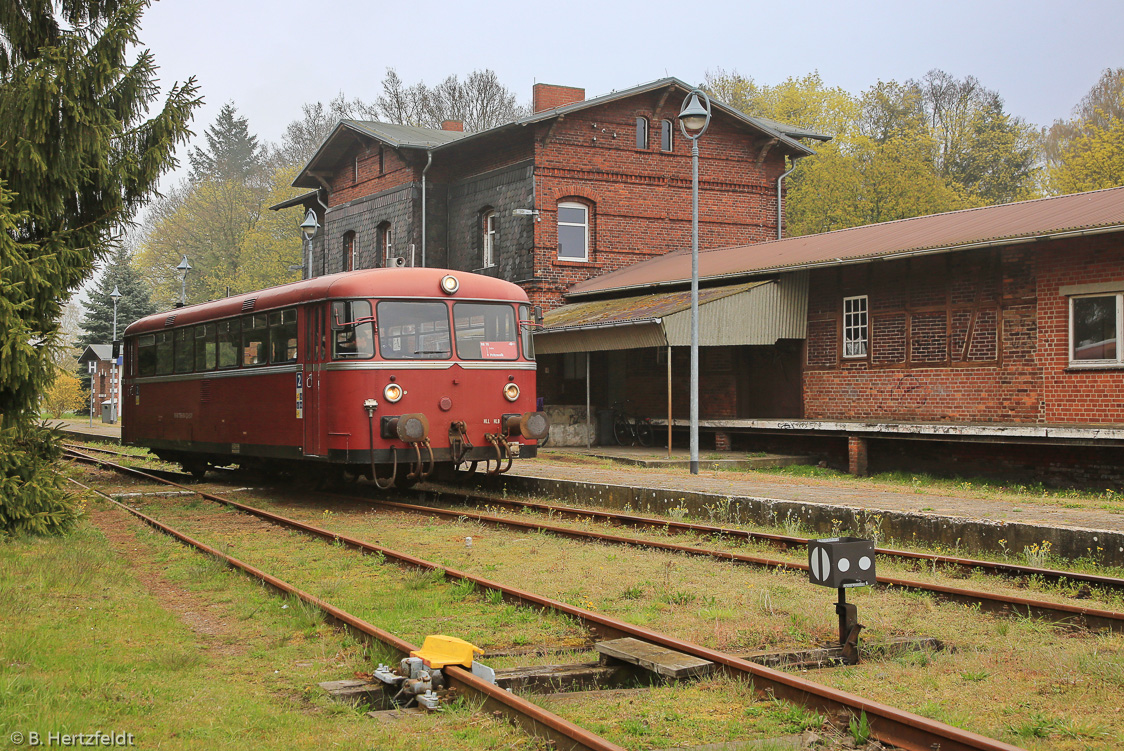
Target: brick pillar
x,y
721,441
856,456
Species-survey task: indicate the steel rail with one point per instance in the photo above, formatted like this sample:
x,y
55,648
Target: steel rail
x,y
785,541
888,724
533,719
994,603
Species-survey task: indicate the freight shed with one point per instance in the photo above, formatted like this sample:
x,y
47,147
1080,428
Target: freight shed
x,y
988,334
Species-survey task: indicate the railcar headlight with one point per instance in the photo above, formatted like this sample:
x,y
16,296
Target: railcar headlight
x,y
393,392
511,392
449,284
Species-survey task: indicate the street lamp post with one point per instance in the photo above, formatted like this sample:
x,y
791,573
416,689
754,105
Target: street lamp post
x,y
116,295
309,228
694,119
183,268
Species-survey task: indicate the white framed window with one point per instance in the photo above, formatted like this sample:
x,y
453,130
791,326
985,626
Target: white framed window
x,y
856,334
667,136
641,132
1095,322
488,227
386,237
573,231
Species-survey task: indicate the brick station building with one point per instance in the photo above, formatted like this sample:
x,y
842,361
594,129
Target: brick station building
x,y
989,333
576,189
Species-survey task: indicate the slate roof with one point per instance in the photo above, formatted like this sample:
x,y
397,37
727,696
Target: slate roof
x,y
406,136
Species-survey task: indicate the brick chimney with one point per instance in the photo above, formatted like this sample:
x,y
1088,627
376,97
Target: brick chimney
x,y
547,96
456,125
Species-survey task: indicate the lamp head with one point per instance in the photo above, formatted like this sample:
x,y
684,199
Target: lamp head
x,y
694,116
115,293
309,226
184,266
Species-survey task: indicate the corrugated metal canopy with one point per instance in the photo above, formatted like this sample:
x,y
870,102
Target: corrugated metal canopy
x,y
1098,211
758,312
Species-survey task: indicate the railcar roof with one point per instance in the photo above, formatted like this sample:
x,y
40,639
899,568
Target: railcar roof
x,y
409,282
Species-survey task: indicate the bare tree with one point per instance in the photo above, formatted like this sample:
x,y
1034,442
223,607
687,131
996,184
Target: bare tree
x,y
480,102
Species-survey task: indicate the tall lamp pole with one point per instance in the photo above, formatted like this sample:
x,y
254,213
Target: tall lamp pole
x,y
694,119
183,268
116,295
309,228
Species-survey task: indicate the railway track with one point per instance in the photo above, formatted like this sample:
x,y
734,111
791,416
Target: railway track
x,y
1094,618
999,568
888,724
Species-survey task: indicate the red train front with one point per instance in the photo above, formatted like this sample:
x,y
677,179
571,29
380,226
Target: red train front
x,y
395,373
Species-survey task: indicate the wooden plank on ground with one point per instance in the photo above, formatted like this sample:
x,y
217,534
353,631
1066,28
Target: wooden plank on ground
x,y
660,660
544,679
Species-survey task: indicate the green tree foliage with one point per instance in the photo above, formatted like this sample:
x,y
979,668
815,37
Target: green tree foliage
x,y
135,303
78,158
215,223
66,394
898,150
986,154
232,152
1086,152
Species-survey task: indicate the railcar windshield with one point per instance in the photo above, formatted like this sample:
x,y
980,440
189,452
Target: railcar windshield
x,y
414,330
526,326
353,336
485,331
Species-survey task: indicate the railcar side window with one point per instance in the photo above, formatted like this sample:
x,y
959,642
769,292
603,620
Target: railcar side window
x,y
485,331
164,360
414,331
255,339
185,349
283,336
528,332
353,335
146,355
206,352
228,338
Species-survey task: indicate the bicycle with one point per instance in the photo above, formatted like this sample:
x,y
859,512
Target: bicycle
x,y
629,430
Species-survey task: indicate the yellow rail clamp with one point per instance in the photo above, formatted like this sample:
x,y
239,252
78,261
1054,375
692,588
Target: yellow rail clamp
x,y
438,651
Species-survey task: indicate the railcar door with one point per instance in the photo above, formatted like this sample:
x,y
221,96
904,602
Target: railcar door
x,y
315,354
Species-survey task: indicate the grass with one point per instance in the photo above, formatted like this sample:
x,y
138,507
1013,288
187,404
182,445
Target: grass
x,y
976,487
1002,675
666,716
87,647
739,609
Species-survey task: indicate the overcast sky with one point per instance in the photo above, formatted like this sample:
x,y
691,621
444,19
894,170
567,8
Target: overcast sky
x,y
271,57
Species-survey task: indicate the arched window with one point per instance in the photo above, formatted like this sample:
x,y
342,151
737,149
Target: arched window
x,y
641,132
349,251
667,142
488,239
386,241
573,231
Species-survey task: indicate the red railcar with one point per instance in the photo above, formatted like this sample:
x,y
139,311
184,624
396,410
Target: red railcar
x,y
389,373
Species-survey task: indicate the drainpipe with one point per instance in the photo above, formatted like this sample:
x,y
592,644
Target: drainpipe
x,y
428,162
780,207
